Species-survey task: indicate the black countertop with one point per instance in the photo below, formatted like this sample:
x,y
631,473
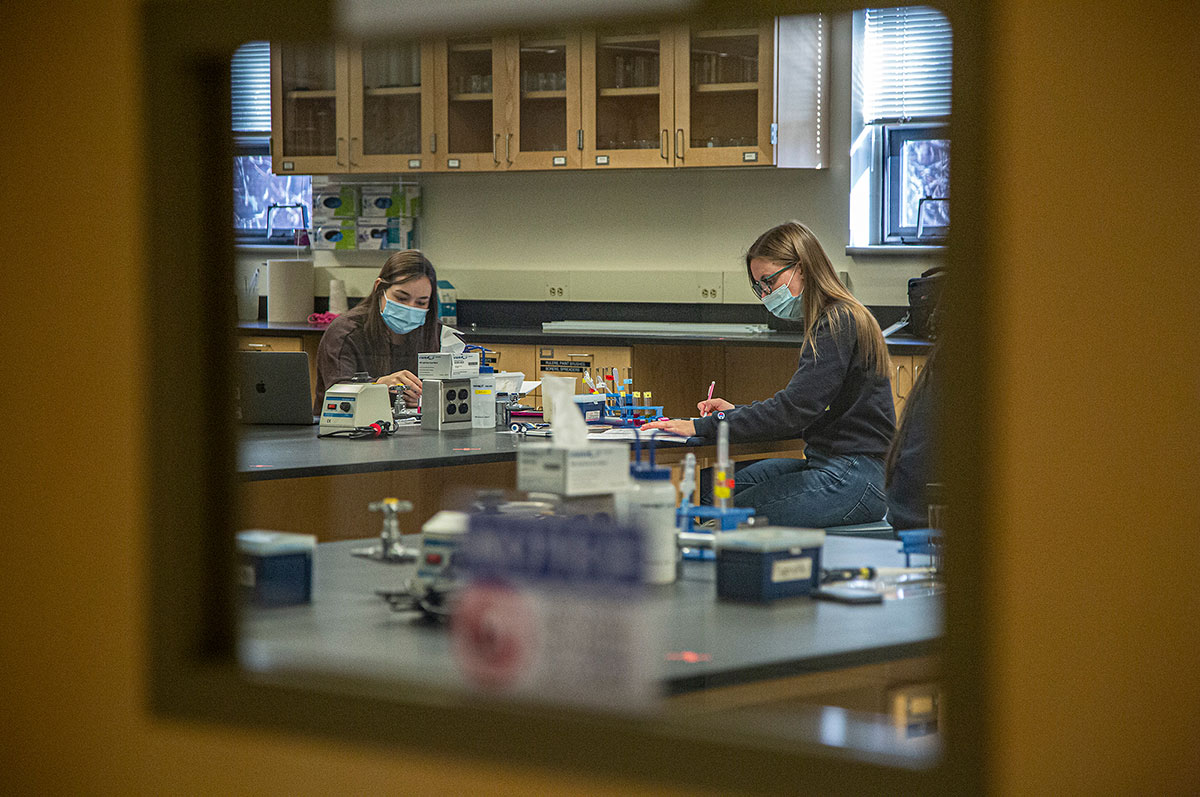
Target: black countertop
x,y
897,343
348,629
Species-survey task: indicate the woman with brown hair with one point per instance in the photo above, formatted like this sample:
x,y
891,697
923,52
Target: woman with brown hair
x,y
839,400
383,333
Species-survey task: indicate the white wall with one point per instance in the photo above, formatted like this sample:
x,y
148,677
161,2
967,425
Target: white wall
x,y
507,236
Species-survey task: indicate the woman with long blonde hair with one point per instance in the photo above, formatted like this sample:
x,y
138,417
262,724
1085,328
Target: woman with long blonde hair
x,y
839,401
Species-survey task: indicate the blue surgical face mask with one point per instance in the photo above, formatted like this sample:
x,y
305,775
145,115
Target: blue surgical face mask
x,y
783,305
402,318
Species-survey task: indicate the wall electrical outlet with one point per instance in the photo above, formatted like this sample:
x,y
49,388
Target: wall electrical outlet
x,y
709,291
556,291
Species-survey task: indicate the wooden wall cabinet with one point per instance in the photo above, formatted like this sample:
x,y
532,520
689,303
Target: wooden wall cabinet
x,y
346,109
508,102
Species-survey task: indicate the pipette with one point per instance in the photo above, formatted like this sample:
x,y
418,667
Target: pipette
x,y
687,484
723,473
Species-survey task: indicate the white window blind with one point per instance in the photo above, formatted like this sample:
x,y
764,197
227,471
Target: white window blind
x,y
251,75
908,64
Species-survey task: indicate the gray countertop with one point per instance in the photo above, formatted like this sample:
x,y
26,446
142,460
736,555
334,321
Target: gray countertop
x,y
280,452
348,629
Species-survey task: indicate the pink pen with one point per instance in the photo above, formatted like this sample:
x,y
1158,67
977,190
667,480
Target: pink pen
x,y
711,385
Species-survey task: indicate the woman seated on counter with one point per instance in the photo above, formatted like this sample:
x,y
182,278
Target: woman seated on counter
x,y
383,333
839,400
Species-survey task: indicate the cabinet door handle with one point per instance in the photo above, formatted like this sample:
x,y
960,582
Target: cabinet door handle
x,y
508,148
579,138
679,143
662,146
337,150
495,149
433,142
351,153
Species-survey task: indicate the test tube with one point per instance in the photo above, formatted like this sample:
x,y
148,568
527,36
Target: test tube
x,y
723,473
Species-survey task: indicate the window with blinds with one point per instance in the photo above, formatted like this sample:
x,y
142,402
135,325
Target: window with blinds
x,y
908,64
905,67
251,77
267,208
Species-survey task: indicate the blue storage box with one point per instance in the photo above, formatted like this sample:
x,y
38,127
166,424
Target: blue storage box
x,y
274,567
768,563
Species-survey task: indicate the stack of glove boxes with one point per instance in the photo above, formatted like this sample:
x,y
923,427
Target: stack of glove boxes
x,y
369,216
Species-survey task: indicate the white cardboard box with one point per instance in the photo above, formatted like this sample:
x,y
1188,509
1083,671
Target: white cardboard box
x,y
594,469
447,365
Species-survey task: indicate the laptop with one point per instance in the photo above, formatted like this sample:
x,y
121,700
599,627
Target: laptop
x,y
273,388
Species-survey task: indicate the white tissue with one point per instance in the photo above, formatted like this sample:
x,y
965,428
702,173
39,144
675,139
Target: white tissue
x,y
337,296
567,427
451,342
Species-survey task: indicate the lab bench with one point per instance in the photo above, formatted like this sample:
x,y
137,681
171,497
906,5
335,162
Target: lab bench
x,y
291,480
795,651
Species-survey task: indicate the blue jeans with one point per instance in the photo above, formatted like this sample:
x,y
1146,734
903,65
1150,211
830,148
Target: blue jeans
x,y
817,492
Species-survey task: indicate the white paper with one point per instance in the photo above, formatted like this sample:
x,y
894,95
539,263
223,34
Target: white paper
x,y
627,433
451,342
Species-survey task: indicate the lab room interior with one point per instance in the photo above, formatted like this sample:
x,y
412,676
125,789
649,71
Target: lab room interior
x,y
583,401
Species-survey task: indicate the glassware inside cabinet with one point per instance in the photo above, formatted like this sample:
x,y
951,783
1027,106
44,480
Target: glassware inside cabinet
x,y
309,83
724,94
391,98
627,90
469,87
543,80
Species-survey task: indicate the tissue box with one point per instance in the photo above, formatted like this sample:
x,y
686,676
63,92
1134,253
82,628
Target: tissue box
x,y
768,563
333,201
372,233
447,365
447,299
275,568
336,234
594,469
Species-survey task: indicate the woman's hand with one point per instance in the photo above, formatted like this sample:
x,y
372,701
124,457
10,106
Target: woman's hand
x,y
408,380
685,428
709,406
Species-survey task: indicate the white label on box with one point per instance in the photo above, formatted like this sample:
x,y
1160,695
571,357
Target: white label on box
x,y
791,569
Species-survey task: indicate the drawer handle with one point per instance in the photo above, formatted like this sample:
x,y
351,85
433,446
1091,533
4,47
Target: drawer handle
x,y
264,346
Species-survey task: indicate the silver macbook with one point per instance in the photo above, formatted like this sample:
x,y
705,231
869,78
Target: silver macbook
x,y
273,388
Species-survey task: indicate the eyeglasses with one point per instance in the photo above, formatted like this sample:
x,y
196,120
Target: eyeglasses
x,y
763,286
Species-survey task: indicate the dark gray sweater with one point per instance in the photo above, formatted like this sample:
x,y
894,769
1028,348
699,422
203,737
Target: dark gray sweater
x,y
835,403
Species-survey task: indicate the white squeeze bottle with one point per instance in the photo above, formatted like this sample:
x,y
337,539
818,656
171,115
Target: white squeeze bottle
x,y
652,509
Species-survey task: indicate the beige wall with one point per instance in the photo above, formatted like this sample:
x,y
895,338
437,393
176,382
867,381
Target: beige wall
x,y
506,236
1093,639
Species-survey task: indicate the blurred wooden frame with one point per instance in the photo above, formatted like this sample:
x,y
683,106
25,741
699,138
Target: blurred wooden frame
x,y
191,635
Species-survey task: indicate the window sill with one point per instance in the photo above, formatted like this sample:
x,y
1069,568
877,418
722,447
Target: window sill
x,y
893,250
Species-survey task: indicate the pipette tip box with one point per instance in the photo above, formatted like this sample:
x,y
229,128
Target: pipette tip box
x,y
274,567
765,564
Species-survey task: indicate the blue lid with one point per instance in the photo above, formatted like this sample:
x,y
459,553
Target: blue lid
x,y
649,473
486,369
444,284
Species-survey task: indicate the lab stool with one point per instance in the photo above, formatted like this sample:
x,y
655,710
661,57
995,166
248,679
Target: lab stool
x,y
879,530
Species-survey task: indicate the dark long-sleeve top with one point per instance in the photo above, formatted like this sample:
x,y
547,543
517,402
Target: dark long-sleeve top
x,y
833,401
344,350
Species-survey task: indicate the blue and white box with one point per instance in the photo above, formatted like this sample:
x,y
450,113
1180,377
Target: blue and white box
x,y
331,200
275,568
764,564
373,233
338,234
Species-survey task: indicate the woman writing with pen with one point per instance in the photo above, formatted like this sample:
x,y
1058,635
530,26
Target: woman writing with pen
x,y
383,333
839,400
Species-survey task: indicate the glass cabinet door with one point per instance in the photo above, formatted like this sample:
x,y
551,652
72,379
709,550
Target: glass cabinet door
x,y
628,99
724,96
308,109
546,133
391,119
470,73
